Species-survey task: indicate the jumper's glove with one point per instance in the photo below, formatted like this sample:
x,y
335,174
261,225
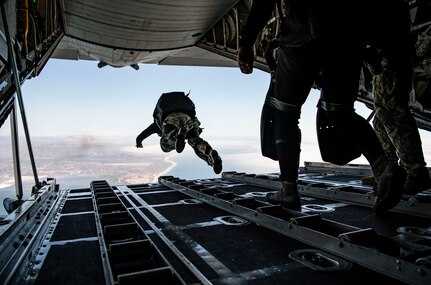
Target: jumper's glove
x,y
245,59
139,145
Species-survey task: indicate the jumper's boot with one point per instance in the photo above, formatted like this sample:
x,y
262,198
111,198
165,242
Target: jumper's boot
x,y
417,181
216,162
180,142
287,196
390,180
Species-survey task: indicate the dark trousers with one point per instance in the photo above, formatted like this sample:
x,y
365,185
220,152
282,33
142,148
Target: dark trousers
x,y
335,67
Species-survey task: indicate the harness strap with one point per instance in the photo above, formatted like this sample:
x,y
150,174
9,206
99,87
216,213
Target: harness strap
x,y
280,105
331,107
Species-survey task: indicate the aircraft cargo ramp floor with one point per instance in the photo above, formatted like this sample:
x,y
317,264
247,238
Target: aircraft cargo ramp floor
x,y
218,231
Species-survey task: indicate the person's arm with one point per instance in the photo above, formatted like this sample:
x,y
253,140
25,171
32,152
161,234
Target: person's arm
x,y
152,129
257,18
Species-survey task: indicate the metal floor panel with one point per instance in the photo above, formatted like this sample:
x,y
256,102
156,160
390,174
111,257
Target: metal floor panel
x,y
163,197
72,263
75,227
78,205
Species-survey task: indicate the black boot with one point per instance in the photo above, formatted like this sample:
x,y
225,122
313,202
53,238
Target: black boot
x,y
180,142
368,180
288,196
390,180
417,181
216,162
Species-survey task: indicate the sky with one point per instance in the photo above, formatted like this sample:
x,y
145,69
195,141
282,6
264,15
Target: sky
x,y
76,98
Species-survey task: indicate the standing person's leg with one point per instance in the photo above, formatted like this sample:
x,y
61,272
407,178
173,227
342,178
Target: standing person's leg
x,y
340,89
294,78
392,88
385,141
387,146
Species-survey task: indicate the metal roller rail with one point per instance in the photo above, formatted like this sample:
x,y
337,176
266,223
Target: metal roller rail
x,y
22,231
131,256
333,187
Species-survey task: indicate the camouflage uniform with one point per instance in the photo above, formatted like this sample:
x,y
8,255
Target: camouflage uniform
x,y
180,123
394,123
389,56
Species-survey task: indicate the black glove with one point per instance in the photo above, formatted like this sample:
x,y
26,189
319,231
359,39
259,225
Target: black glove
x,y
245,59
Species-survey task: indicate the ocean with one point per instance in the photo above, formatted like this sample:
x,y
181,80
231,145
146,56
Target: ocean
x,y
75,164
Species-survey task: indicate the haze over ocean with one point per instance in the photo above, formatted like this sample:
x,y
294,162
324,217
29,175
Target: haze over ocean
x,y
76,161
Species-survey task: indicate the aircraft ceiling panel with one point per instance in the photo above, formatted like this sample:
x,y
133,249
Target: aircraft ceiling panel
x,y
142,24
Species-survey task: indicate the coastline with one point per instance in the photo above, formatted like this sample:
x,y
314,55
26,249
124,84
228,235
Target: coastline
x,y
170,168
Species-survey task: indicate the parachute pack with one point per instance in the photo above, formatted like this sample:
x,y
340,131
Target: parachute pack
x,y
173,102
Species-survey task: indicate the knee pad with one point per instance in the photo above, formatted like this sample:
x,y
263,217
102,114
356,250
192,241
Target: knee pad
x,y
286,117
335,124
